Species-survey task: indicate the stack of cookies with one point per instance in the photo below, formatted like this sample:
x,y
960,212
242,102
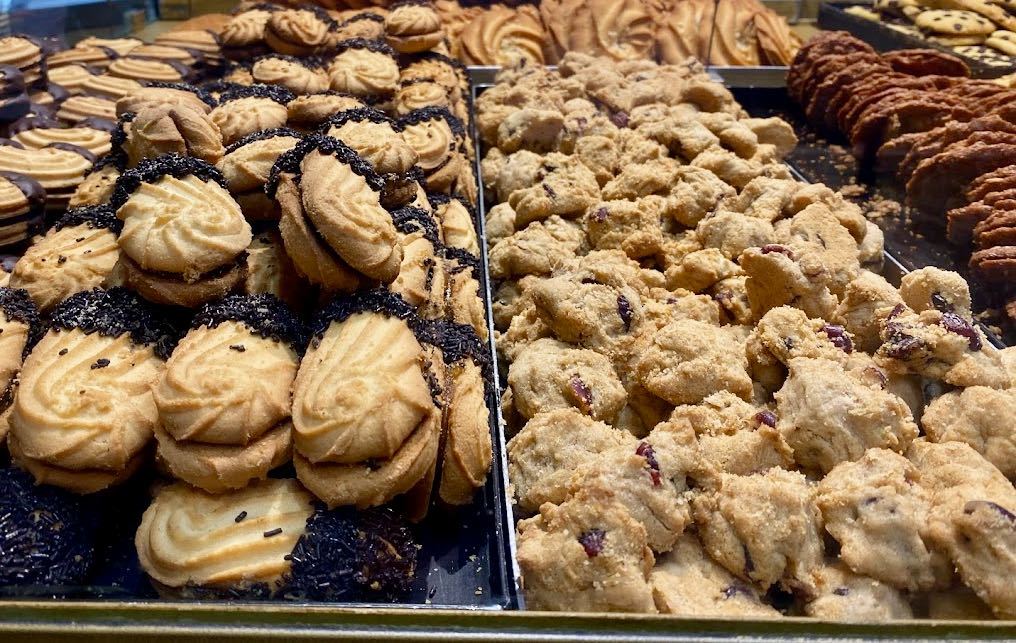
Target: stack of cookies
x,y
270,268
718,405
950,139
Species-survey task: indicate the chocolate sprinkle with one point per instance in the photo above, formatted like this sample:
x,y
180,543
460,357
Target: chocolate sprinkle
x,y
151,170
46,536
205,97
378,300
263,314
240,516
93,216
290,161
358,115
376,46
18,306
409,219
112,313
100,363
366,15
433,112
280,95
262,135
272,532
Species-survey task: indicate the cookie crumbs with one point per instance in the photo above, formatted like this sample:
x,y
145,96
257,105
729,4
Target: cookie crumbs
x,y
879,207
853,191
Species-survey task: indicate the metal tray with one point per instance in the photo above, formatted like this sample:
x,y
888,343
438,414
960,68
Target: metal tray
x,y
832,16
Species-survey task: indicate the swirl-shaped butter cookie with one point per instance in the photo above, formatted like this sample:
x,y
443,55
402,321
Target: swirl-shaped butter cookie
x,y
171,129
139,69
22,203
270,270
247,164
297,75
308,112
155,94
78,108
58,168
84,412
97,188
364,68
414,26
438,138
298,32
35,133
422,279
504,36
366,24
457,220
183,235
245,110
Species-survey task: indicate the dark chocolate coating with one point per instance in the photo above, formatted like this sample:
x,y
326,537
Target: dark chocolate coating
x,y
93,216
77,149
46,537
351,555
280,95
408,220
262,135
58,93
112,313
31,188
358,115
102,124
289,162
151,170
456,341
30,122
376,46
18,306
264,314
205,97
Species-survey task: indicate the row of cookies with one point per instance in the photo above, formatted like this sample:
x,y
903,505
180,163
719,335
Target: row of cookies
x,y
982,30
717,404
948,138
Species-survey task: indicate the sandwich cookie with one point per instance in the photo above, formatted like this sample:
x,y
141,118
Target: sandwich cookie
x,y
97,188
244,110
271,271
308,112
438,138
298,32
22,205
413,27
155,94
299,76
170,129
183,203
84,412
14,102
246,166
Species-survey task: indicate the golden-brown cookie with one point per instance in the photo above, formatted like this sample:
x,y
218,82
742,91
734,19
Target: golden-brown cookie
x,y
413,27
22,205
298,32
247,165
292,73
364,68
58,168
171,129
245,110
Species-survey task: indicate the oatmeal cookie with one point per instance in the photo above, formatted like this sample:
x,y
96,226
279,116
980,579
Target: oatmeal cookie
x,y
866,302
842,595
561,186
636,227
979,416
537,249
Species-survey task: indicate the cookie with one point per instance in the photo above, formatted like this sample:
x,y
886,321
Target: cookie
x,y
985,55
114,346
413,27
221,427
954,22
298,32
382,143
39,132
310,111
364,68
504,36
291,73
271,271
246,166
423,276
365,24
22,205
244,110
97,188
324,186
244,34
205,259
171,129
78,108
166,94
1004,41
58,168
841,594
437,137
167,71
456,219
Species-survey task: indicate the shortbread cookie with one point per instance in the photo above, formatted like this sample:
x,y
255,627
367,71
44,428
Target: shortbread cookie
x,y
247,164
413,27
154,131
165,94
438,139
77,254
310,111
298,32
201,257
364,68
271,271
107,348
423,276
245,110
40,132
382,143
99,183
21,327
457,221
294,74
58,168
22,206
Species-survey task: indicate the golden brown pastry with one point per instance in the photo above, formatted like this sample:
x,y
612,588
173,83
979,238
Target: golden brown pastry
x,y
333,224
366,428
42,131
76,254
84,413
438,138
308,112
245,110
58,168
224,397
165,94
413,26
22,205
457,221
19,328
70,77
364,68
171,129
504,36
298,32
620,29
296,75
183,203
244,35
247,164
423,278
365,24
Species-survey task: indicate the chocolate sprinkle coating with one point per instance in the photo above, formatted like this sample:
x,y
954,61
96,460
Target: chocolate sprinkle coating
x,y
261,6
290,161
116,157
358,115
205,97
430,113
464,259
151,170
262,135
280,95
45,535
17,304
408,220
220,87
376,46
112,313
378,300
263,314
456,341
366,15
351,555
93,216
433,55
309,62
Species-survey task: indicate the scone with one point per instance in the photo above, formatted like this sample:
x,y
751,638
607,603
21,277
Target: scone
x,y
366,428
413,26
84,412
438,138
201,231
224,396
20,327
22,204
171,129
378,140
364,68
245,110
247,164
333,224
76,254
271,540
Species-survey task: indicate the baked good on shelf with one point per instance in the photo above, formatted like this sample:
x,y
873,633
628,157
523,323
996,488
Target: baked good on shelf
x,y
78,253
171,129
102,355
244,35
298,32
438,139
244,110
58,168
224,396
308,112
97,188
506,36
204,235
22,202
364,68
247,164
364,24
413,26
157,94
271,271
293,74
40,131
79,108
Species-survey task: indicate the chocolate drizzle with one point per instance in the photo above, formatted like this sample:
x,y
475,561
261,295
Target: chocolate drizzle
x,y
77,149
280,95
93,216
31,122
289,162
112,313
376,46
262,135
433,112
151,170
263,314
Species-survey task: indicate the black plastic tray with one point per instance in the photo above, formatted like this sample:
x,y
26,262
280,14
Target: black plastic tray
x,y
832,16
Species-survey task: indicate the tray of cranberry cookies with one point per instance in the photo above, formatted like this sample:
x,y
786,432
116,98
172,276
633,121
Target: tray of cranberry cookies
x,y
246,353
725,398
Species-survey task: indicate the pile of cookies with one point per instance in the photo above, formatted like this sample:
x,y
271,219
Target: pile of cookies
x,y
950,139
718,406
266,293
981,30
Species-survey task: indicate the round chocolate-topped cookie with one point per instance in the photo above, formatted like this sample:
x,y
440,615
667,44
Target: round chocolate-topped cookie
x,y
112,313
58,167
243,110
14,101
263,314
298,75
413,27
299,31
310,111
159,93
438,138
365,68
37,132
247,164
366,25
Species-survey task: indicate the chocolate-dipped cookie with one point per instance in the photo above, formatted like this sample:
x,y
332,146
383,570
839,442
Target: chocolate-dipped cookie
x,y
243,37
76,254
413,27
97,188
22,205
298,32
164,94
201,230
364,68
14,102
167,71
78,108
308,112
422,280
20,328
108,86
58,168
84,412
439,140
245,110
92,134
457,220
271,271
247,165
333,224
367,24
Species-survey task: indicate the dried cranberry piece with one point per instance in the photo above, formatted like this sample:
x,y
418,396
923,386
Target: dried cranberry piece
x,y
1002,511
619,118
838,336
775,247
879,374
897,311
766,417
600,214
582,392
940,303
956,324
646,451
592,541
624,309
902,346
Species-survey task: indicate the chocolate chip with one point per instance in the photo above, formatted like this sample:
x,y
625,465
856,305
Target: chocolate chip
x,y
61,259
550,191
625,311
592,541
940,303
619,118
239,348
100,363
879,374
63,351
